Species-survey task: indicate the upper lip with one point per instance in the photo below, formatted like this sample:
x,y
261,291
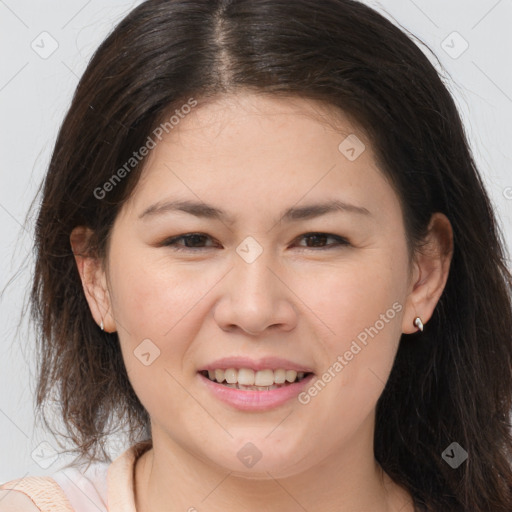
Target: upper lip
x,y
264,363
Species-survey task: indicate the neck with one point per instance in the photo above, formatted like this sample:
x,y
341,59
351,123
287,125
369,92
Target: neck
x,y
171,479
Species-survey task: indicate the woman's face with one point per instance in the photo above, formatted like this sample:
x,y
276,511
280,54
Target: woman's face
x,y
256,177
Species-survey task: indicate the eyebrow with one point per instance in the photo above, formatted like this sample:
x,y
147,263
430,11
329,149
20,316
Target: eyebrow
x,y
203,210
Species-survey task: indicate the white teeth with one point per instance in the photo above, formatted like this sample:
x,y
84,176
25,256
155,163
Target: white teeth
x,y
264,378
230,376
279,376
245,376
291,375
248,378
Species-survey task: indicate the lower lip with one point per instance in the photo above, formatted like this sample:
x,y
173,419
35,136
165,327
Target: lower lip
x,y
245,400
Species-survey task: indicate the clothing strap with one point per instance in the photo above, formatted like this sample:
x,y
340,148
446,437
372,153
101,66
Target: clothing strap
x,y
121,478
44,491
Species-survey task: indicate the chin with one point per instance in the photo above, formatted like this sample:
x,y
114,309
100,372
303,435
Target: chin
x,y
251,463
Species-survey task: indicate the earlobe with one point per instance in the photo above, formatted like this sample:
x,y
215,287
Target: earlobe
x,y
92,275
432,266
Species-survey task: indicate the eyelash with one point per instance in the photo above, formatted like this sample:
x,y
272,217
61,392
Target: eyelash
x,y
172,242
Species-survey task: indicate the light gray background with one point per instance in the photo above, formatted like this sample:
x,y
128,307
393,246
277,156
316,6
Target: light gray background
x,y
35,93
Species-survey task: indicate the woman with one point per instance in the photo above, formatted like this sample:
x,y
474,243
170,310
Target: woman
x,y
263,244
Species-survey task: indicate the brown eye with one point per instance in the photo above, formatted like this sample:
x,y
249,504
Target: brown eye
x,y
196,241
192,241
319,240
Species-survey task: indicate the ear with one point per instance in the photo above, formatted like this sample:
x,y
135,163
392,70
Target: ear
x,y
94,280
430,273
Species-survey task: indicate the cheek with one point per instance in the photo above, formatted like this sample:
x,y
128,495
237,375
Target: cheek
x,y
150,298
361,304
362,307
154,313
164,304
349,298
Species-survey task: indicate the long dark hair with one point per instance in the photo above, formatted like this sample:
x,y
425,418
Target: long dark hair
x,y
451,383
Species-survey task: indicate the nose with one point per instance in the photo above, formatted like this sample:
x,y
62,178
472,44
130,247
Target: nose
x,y
255,297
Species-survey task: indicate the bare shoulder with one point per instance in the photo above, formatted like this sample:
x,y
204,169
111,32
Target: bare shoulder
x,y
16,501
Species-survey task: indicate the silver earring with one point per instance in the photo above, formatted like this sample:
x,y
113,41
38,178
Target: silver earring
x,y
418,323
101,325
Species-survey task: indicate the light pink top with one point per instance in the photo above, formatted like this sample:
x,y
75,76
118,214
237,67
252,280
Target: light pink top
x,y
102,487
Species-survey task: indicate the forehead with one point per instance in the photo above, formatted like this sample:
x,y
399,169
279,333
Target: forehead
x,y
252,150
242,108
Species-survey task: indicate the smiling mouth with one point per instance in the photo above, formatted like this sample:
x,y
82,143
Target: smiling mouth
x,y
249,380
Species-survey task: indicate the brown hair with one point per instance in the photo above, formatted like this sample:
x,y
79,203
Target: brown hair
x,y
452,382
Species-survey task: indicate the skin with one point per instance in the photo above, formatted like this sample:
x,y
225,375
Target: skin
x,y
254,156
